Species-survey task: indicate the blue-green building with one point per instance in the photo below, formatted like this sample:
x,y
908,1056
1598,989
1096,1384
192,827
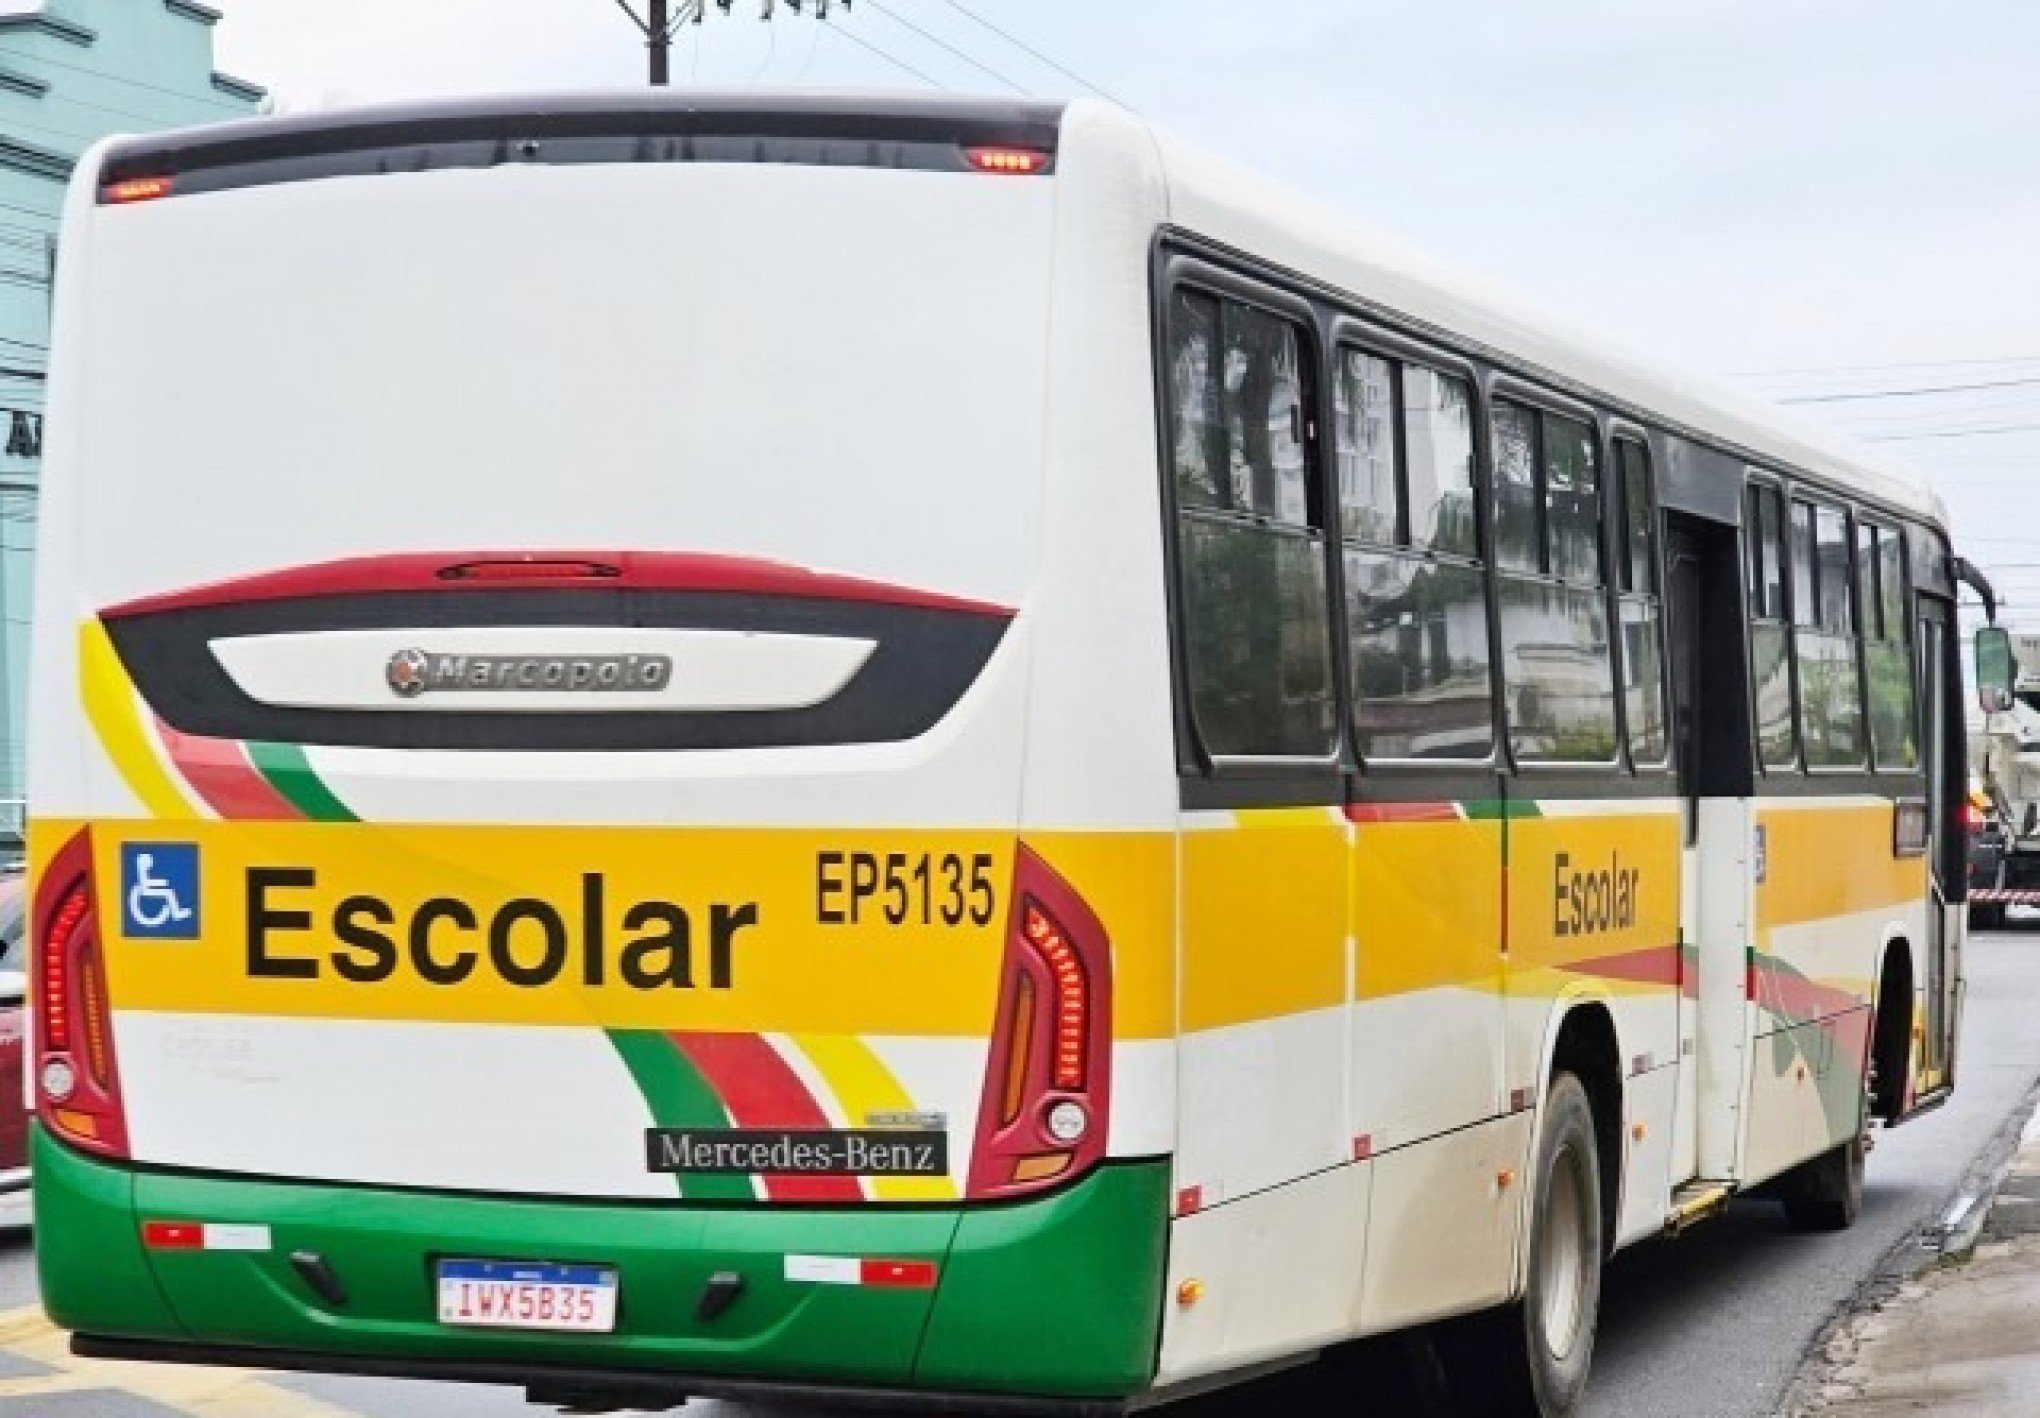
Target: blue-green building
x,y
71,72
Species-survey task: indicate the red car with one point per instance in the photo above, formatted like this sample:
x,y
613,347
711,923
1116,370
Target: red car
x,y
14,1203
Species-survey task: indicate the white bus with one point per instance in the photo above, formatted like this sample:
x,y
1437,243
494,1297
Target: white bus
x,y
936,751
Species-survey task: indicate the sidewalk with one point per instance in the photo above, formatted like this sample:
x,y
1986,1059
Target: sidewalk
x,y
1961,1339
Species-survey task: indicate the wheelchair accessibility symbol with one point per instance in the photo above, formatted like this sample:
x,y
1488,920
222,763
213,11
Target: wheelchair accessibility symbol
x,y
159,890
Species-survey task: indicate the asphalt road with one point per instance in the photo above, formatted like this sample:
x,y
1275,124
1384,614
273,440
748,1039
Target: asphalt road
x,y
1712,1326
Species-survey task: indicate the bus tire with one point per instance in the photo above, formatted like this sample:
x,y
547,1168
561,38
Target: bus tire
x,y
1825,1194
1530,1360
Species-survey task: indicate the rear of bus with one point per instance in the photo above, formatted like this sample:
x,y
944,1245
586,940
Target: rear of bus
x,y
601,753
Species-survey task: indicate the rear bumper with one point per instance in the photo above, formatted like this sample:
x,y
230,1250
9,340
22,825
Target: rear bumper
x,y
1057,1299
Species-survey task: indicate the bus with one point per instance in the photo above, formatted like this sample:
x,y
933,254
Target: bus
x,y
938,753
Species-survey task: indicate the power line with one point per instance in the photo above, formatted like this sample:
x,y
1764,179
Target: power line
x,y
1916,393
944,44
1882,368
899,64
1954,433
1026,48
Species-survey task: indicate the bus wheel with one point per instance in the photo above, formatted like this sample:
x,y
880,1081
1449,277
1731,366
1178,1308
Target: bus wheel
x,y
1826,1194
1532,1358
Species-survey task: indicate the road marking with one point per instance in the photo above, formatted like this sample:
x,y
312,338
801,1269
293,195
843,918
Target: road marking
x,y
203,1393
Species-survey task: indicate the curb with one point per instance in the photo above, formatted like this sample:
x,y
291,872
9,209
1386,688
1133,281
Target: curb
x,y
1950,1240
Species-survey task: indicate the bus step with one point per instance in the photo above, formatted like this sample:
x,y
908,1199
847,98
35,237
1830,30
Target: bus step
x,y
1694,1203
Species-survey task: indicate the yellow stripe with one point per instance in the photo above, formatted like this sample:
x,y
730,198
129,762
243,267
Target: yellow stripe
x,y
863,1085
116,717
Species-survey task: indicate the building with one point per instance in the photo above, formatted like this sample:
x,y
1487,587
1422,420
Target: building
x,y
71,72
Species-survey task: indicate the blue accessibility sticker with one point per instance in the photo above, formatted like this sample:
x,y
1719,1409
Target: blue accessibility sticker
x,y
159,890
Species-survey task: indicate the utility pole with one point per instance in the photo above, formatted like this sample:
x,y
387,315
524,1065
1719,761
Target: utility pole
x,y
663,18
659,39
658,25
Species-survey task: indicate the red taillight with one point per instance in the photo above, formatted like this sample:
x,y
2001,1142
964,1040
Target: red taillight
x,y
1048,1081
137,189
521,569
173,1235
77,1078
1012,162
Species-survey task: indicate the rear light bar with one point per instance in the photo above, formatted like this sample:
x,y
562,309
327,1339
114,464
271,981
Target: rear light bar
x,y
1010,162
136,189
77,1077
1047,1093
530,569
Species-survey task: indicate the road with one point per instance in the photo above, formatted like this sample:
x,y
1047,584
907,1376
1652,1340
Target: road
x,y
1713,1326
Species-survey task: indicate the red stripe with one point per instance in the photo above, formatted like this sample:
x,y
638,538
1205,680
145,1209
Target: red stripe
x,y
610,570
1659,965
219,771
760,1091
1402,812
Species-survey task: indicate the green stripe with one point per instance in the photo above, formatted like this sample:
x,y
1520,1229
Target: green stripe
x,y
290,772
679,1097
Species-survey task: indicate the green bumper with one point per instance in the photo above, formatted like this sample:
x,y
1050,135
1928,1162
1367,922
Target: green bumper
x,y
1060,1297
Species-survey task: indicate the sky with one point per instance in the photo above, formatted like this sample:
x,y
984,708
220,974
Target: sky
x,y
1812,197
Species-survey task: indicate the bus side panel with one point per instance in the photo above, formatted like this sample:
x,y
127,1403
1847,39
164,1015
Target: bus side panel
x,y
1427,1086
1594,915
1830,894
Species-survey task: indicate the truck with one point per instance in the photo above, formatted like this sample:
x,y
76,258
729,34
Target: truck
x,y
2004,815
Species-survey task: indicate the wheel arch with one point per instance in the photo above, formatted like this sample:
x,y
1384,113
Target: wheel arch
x,y
1581,1037
1895,1008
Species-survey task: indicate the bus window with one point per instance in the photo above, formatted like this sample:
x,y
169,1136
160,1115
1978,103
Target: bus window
x,y
1830,683
1643,677
1880,559
1770,638
1554,607
1256,619
1416,595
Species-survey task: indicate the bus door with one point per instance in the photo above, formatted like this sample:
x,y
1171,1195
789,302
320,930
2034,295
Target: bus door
x,y
1942,728
1711,741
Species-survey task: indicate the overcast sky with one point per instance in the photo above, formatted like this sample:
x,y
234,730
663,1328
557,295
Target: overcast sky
x,y
1740,185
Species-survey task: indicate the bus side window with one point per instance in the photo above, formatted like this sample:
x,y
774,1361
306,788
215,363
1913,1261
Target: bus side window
x,y
1824,637
1257,625
1770,637
1887,657
1557,652
1643,674
1416,593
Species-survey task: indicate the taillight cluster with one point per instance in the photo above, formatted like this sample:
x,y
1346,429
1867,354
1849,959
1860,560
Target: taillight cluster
x,y
77,1081
1048,1083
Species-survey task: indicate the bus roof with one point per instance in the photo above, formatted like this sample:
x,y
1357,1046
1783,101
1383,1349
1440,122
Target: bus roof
x,y
1207,195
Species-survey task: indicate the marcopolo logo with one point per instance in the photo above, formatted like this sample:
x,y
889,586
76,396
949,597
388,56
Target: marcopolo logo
x,y
415,672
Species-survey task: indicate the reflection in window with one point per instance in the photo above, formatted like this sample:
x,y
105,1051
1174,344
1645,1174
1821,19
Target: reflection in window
x,y
1830,700
1198,445
1832,535
1518,538
1264,414
1259,639
1572,500
1805,608
1257,625
1643,679
1365,400
1639,560
1771,671
1887,660
1767,555
1438,442
1420,656
1561,682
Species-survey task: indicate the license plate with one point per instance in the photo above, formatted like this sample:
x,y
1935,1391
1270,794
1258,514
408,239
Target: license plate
x,y
487,1294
